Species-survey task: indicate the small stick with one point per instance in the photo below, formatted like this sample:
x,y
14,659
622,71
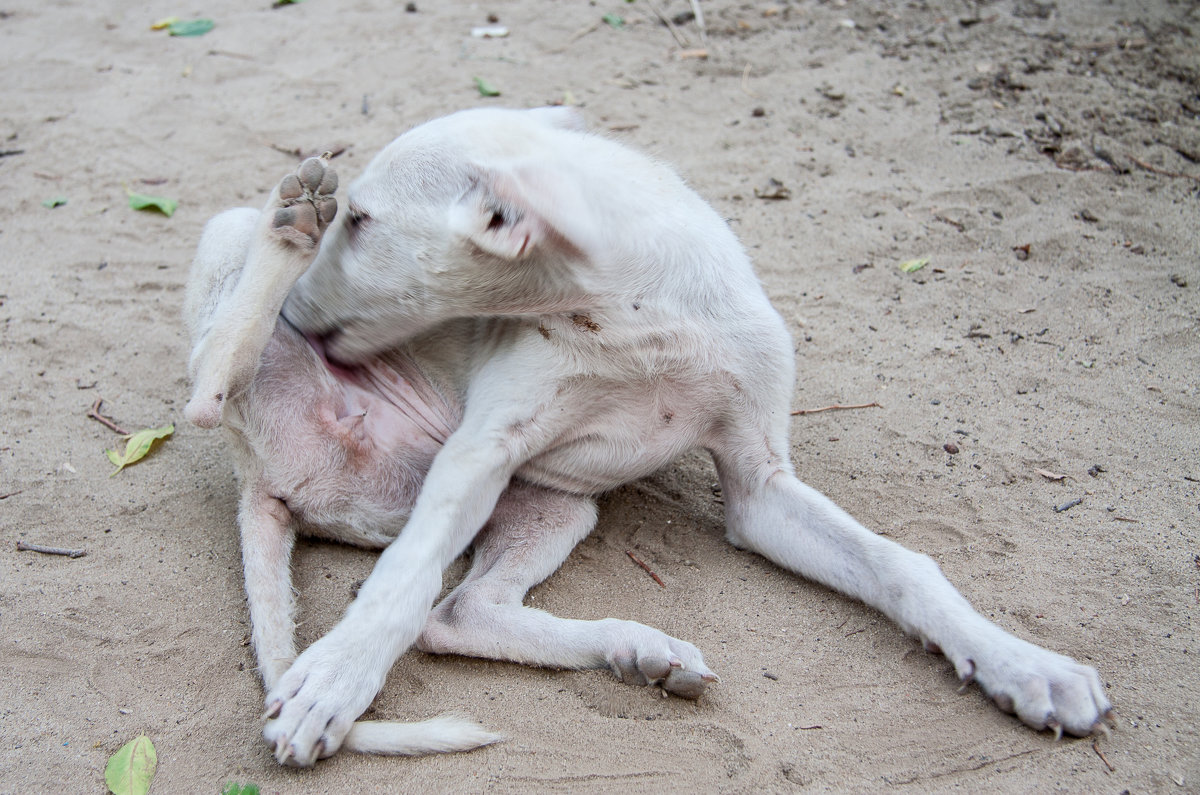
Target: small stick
x,y
835,407
855,632
1103,758
657,579
1157,170
810,728
70,553
94,413
746,82
700,21
10,494
1066,506
682,42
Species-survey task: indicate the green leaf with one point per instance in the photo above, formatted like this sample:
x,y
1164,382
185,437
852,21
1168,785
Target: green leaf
x,y
55,201
486,89
166,22
130,770
190,27
138,446
914,265
233,788
614,20
140,201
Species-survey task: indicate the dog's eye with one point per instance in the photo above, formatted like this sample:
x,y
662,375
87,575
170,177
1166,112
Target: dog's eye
x,y
496,221
357,218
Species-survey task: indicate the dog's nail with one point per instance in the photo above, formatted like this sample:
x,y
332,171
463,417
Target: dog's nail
x,y
291,188
710,677
675,662
967,676
1056,727
931,647
273,709
1100,727
1110,715
282,749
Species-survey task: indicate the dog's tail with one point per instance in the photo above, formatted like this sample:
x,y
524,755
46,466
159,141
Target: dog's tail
x,y
440,735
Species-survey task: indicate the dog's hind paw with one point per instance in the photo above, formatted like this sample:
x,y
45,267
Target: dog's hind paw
x,y
304,204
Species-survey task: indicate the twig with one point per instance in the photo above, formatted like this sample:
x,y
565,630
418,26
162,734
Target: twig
x,y
746,82
810,728
657,579
836,407
94,413
700,21
1103,758
675,34
11,152
10,494
70,553
1066,506
1157,170
855,632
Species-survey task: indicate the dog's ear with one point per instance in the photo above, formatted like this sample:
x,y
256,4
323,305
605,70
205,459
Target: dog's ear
x,y
516,211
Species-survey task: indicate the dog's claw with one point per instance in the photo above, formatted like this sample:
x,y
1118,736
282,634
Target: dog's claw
x,y
272,710
1055,727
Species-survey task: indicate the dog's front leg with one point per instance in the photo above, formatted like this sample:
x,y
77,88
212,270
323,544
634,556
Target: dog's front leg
x,y
315,703
267,540
771,512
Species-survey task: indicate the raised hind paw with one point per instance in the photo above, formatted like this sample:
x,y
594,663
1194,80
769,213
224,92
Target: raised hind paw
x,y
303,203
641,655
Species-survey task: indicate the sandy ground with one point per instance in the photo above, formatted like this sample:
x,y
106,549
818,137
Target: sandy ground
x,y
1036,152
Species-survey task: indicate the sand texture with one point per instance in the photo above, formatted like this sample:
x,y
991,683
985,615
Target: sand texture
x,y
1045,157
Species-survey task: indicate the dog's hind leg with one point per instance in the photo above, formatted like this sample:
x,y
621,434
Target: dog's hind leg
x,y
771,512
267,540
528,537
234,319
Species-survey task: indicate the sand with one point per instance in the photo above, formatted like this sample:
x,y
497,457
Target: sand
x,y
1037,153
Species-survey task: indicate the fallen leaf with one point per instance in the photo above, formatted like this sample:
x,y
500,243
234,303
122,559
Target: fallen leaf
x,y
233,788
1050,475
773,189
612,20
190,27
130,770
56,201
164,23
140,201
137,446
486,89
914,265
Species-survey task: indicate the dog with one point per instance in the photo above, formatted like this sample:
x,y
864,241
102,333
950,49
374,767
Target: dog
x,y
510,316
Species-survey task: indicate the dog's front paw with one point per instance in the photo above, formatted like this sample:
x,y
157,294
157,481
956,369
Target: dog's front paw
x,y
303,203
316,702
641,655
1045,690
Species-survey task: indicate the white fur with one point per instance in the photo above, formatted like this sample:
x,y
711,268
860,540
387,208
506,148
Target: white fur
x,y
591,319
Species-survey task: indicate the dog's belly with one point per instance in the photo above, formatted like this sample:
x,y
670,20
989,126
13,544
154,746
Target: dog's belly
x,y
620,433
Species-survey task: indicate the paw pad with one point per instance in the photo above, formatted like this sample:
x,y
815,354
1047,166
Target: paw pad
x,y
306,205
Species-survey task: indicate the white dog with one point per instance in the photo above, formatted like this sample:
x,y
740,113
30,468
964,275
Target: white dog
x,y
518,315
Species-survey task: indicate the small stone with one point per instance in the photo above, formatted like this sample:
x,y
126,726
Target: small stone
x,y
951,448
1178,280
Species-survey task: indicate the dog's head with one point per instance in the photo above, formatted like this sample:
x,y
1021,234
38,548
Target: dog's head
x,y
473,214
